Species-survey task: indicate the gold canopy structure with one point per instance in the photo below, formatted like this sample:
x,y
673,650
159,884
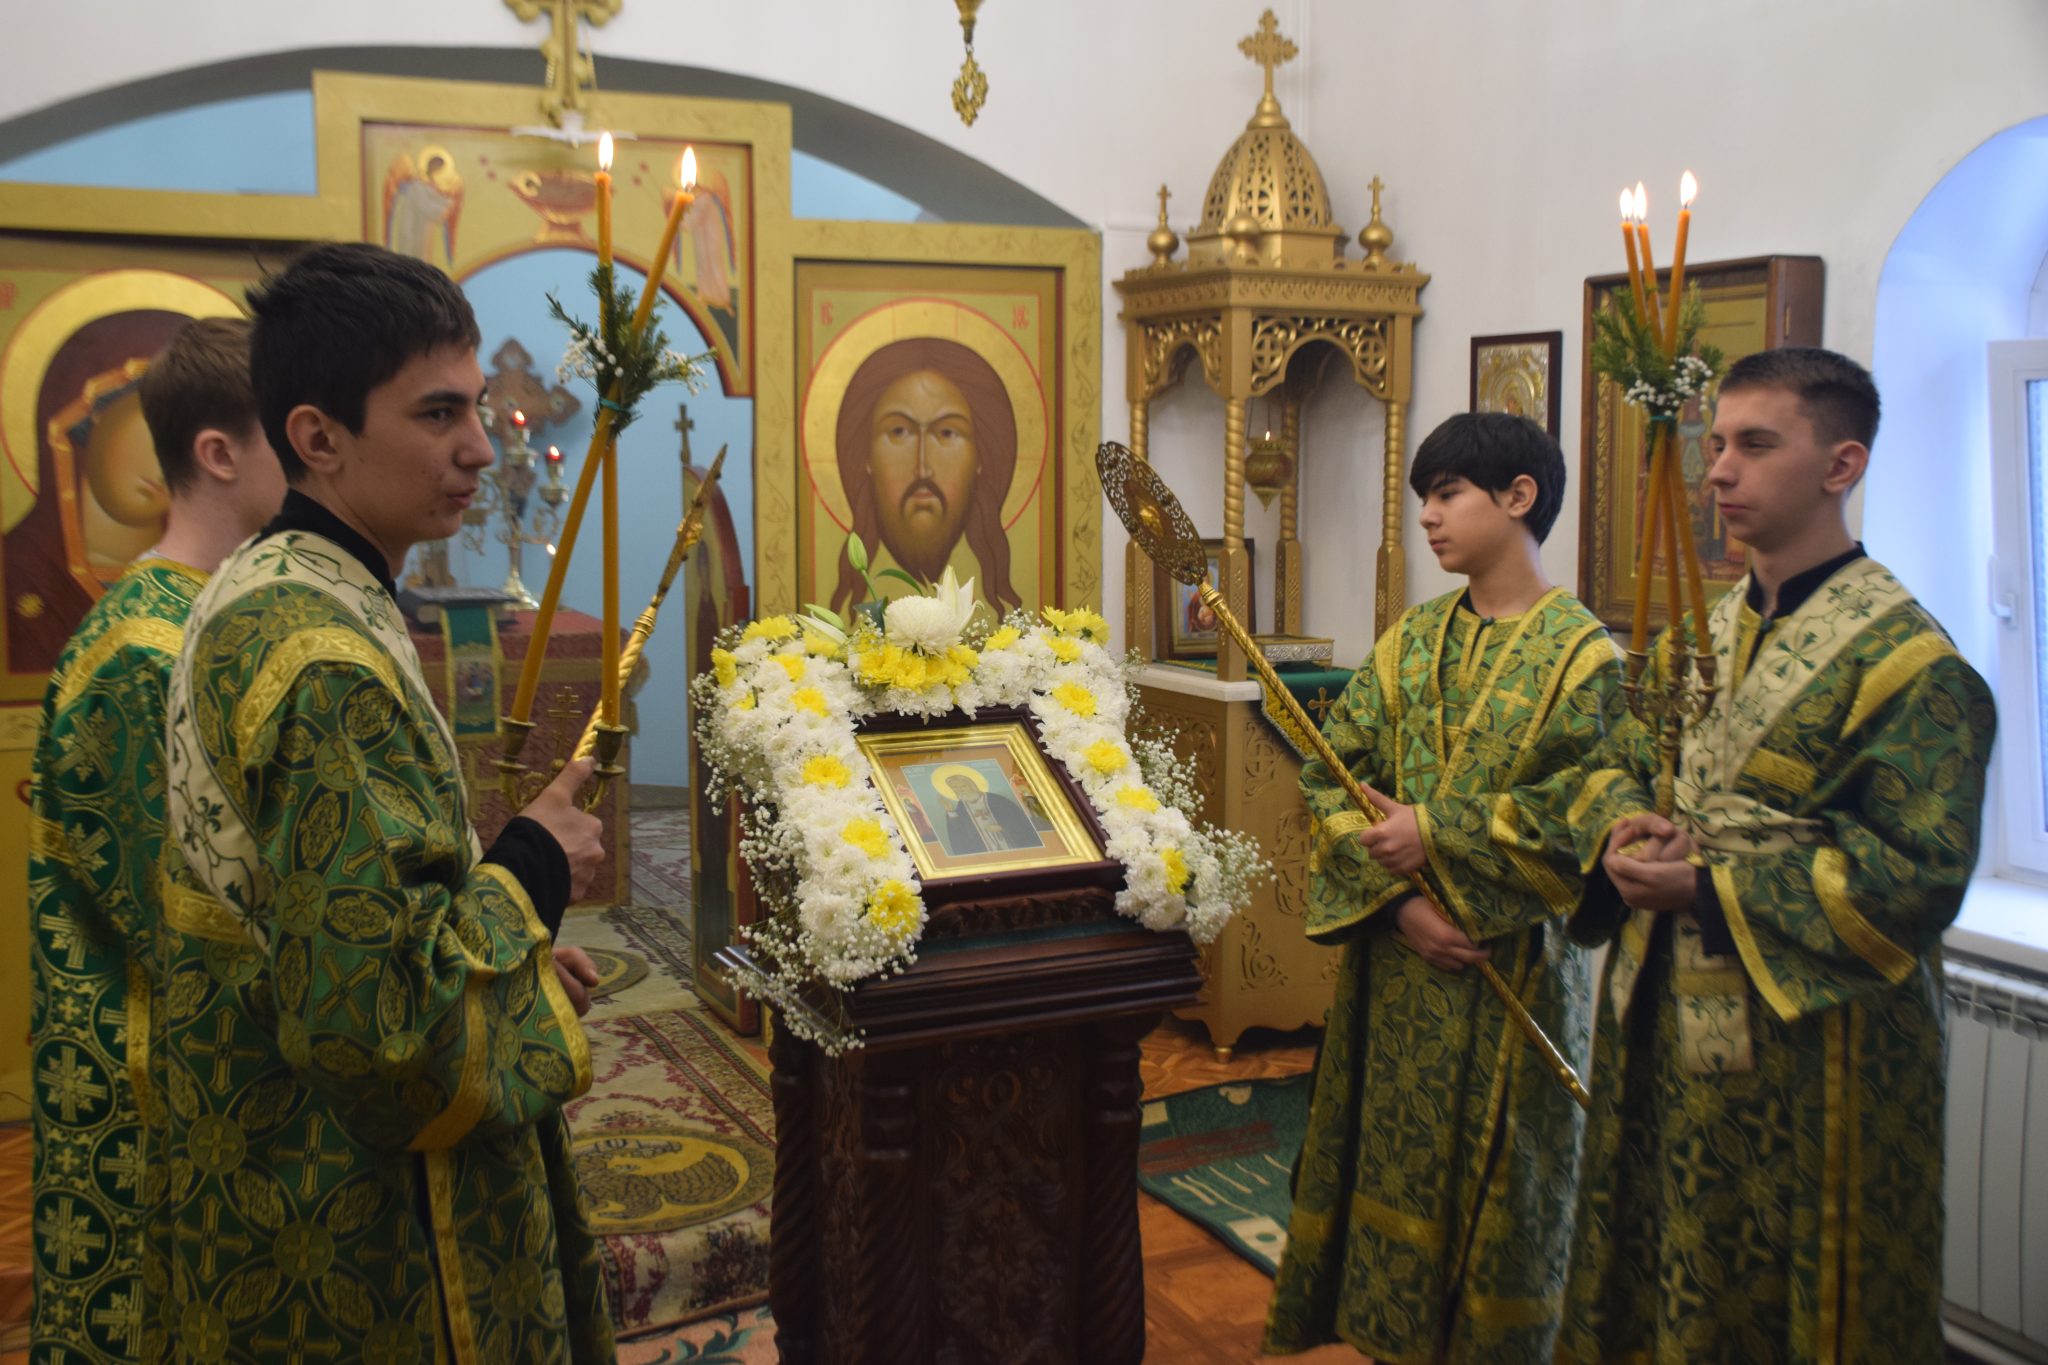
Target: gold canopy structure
x,y
1266,275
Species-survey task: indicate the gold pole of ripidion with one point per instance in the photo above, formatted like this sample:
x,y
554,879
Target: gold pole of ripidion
x,y
571,77
1155,519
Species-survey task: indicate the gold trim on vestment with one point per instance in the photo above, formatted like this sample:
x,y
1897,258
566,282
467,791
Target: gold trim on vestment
x,y
1831,887
448,1249
1344,822
573,1039
1828,1331
1893,672
1559,897
290,658
1852,1211
135,1037
199,915
1781,770
1745,945
1402,1227
46,840
1515,1312
449,1126
144,632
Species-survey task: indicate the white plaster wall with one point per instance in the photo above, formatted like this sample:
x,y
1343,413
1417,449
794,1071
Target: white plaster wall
x,y
1502,128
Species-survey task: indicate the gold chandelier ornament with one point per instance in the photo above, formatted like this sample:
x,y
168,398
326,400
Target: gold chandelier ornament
x,y
1268,468
1161,527
970,88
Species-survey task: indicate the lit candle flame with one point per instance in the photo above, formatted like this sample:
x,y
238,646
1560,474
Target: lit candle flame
x,y
1628,205
689,171
518,418
554,454
604,152
1688,190
1642,198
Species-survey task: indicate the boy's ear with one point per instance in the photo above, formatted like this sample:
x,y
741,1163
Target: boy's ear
x,y
312,434
1518,499
213,454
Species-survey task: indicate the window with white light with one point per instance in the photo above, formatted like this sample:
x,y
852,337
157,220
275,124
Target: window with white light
x,y
2019,598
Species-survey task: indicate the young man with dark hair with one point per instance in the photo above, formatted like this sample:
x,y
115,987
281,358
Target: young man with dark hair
x,y
1434,1191
96,850
1763,1174
367,1043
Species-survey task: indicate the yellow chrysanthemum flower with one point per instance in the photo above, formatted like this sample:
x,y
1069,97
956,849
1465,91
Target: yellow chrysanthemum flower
x,y
745,703
823,770
1106,756
865,834
1002,639
792,664
1080,621
724,667
893,909
1075,698
1137,798
1063,649
1176,870
821,645
809,699
770,628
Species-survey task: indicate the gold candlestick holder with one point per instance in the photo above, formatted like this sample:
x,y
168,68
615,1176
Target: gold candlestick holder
x,y
1668,702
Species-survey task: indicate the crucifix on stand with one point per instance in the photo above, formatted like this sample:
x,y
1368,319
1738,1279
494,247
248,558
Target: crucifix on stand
x,y
684,426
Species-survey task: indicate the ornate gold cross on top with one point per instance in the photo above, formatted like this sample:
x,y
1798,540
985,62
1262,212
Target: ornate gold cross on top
x,y
1268,48
571,75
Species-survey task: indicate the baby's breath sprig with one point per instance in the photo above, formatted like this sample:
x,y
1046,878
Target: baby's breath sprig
x,y
1628,351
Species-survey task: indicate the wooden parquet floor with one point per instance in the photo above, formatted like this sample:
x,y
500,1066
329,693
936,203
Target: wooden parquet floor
x,y
1203,1304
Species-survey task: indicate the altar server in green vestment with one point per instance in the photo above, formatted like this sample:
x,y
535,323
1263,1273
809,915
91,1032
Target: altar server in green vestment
x,y
1434,1192
96,834
1763,1168
367,1044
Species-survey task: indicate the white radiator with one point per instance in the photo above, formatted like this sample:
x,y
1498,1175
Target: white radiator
x,y
1995,1274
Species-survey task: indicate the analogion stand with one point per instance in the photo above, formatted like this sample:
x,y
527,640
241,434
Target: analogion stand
x,y
964,1187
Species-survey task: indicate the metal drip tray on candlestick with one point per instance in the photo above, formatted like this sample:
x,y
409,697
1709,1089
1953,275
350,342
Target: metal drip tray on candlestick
x,y
424,605
1296,649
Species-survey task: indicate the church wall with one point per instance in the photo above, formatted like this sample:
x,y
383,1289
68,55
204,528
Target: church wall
x,y
1815,128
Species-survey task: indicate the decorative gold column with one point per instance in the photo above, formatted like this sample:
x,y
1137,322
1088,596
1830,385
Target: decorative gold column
x,y
1390,592
1236,585
1138,568
1287,569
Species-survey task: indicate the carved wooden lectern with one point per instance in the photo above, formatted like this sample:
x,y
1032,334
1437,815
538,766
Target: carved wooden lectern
x,y
963,1187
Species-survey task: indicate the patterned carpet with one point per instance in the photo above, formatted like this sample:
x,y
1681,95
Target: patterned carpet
x,y
1224,1156
675,1141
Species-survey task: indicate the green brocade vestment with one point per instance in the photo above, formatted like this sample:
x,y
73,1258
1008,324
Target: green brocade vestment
x,y
1436,1182
367,1047
1763,1172
96,837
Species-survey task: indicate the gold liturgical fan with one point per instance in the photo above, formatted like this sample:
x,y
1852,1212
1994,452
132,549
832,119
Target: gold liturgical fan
x,y
1266,275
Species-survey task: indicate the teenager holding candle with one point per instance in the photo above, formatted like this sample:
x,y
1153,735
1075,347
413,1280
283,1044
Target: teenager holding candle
x,y
1434,1191
1762,1178
323,842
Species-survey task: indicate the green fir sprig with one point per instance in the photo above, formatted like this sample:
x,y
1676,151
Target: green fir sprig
x,y
1627,350
622,365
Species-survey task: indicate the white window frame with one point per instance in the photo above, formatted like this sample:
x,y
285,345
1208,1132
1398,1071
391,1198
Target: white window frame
x,y
2022,812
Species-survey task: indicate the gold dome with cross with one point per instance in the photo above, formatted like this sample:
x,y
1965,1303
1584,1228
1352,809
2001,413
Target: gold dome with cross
x,y
1267,203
